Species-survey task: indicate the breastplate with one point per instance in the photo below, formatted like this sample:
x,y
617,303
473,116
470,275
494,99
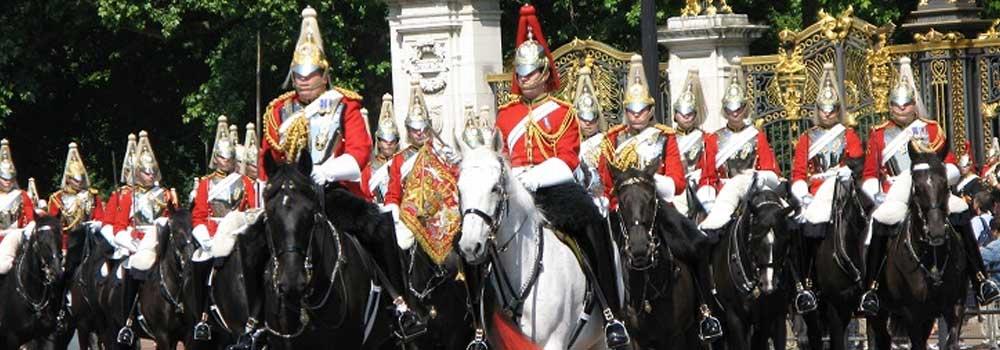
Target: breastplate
x,y
745,157
324,129
224,200
11,208
901,160
645,147
694,152
147,205
830,155
76,208
586,174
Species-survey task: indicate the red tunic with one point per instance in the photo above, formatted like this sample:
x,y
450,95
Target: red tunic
x,y
202,211
123,215
765,155
874,168
558,133
27,212
800,165
355,139
671,165
55,209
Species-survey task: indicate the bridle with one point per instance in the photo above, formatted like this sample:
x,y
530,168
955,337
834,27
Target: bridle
x,y
653,240
750,286
48,272
276,252
499,212
936,271
178,252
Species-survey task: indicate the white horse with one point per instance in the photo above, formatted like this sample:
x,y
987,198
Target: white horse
x,y
501,225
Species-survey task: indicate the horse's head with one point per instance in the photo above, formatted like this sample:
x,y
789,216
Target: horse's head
x,y
177,235
930,191
45,245
635,189
484,187
292,206
768,238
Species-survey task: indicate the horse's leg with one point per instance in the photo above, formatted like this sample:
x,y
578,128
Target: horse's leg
x,y
814,332
953,316
779,331
736,337
879,331
919,333
837,322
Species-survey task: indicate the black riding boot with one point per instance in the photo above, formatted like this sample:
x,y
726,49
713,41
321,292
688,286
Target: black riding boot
x,y
874,261
709,328
805,298
987,290
130,291
202,275
385,251
474,286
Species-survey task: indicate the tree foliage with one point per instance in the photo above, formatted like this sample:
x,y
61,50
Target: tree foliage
x,y
92,71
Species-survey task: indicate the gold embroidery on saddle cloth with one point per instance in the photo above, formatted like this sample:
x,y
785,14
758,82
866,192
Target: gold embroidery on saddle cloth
x,y
430,207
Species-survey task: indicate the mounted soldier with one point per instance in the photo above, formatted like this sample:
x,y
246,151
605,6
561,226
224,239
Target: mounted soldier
x,y
697,155
247,157
376,175
887,181
143,207
742,150
588,114
76,202
827,152
219,193
969,182
327,123
17,216
541,136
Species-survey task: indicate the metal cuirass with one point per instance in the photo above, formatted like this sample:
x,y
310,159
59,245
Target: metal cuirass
x,y
147,205
647,147
745,157
225,194
11,206
324,128
586,174
691,147
901,160
831,153
76,208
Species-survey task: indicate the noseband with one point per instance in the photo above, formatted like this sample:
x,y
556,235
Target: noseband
x,y
499,212
37,305
652,238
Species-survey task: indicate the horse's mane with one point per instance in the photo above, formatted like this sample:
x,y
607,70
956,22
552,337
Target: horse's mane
x,y
178,218
518,195
673,222
55,234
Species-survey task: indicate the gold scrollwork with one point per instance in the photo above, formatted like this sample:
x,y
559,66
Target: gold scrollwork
x,y
836,28
878,60
934,36
991,32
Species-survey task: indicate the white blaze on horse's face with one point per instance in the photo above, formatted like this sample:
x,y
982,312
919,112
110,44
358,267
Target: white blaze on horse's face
x,y
769,271
477,184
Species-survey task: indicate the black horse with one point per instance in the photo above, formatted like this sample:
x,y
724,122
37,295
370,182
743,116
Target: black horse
x,y
85,316
838,264
318,281
30,294
163,317
662,297
749,265
925,272
441,294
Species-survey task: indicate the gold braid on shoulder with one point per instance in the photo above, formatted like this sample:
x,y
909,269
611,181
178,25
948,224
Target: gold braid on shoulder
x,y
547,140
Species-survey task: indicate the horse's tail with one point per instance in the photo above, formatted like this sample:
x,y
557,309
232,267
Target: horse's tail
x,y
507,336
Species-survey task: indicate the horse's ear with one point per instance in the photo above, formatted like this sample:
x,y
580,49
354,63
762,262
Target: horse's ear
x,y
616,173
269,162
497,140
652,168
305,163
787,211
916,154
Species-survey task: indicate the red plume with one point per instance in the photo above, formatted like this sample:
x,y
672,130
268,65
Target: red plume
x,y
529,20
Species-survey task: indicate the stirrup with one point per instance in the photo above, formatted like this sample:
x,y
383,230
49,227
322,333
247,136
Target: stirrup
x,y
125,335
870,303
203,331
478,342
989,291
408,326
709,328
616,335
805,301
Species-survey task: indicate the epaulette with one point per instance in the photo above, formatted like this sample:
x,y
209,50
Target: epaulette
x,y
665,129
514,99
882,125
282,97
560,101
54,198
616,129
93,191
270,123
928,121
348,93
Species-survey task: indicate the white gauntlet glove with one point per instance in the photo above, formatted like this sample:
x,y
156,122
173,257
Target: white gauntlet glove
x,y
341,168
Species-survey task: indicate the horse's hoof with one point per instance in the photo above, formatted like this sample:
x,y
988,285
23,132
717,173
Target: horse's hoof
x,y
805,302
709,329
616,335
126,336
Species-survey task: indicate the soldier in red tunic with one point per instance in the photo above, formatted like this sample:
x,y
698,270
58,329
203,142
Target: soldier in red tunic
x,y
697,155
376,175
17,215
327,123
828,151
142,209
887,182
635,144
78,205
542,139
